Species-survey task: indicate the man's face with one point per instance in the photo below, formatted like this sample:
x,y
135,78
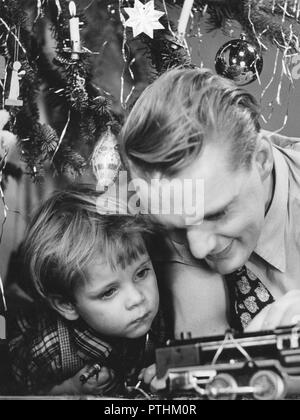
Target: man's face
x,y
119,303
234,210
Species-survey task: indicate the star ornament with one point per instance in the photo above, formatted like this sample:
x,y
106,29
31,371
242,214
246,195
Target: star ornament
x,y
143,18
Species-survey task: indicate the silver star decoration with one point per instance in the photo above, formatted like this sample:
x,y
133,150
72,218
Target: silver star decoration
x,y
143,18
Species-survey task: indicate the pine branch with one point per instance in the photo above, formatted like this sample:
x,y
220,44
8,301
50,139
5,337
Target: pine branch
x,y
267,17
50,142
164,51
90,112
70,162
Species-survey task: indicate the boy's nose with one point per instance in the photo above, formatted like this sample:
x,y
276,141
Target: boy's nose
x,y
135,298
201,242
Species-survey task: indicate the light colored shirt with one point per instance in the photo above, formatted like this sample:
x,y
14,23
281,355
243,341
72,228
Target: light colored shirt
x,y
276,259
198,295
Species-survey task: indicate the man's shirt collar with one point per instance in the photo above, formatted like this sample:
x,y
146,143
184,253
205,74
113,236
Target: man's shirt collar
x,y
271,244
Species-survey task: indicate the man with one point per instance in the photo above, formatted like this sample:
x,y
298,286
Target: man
x,y
192,125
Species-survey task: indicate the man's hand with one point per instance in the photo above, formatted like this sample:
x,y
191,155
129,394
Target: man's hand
x,y
283,312
94,386
148,376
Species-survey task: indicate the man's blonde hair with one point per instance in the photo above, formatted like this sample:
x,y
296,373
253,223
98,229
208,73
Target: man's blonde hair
x,y
67,234
171,121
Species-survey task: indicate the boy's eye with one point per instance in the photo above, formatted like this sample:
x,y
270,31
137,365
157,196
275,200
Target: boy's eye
x,y
109,293
143,273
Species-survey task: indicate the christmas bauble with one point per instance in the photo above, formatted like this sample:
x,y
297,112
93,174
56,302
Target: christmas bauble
x,y
106,161
239,61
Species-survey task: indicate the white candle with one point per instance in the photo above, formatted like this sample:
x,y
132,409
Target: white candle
x,y
74,28
184,17
58,7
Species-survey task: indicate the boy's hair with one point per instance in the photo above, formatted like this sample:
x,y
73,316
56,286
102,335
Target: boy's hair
x,y
67,233
169,124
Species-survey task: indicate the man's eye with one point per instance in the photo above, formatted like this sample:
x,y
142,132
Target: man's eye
x,y
215,217
108,294
143,273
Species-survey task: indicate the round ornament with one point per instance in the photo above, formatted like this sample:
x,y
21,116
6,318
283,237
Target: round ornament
x,y
240,61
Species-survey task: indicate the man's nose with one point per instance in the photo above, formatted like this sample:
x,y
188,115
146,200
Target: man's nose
x,y
135,297
202,242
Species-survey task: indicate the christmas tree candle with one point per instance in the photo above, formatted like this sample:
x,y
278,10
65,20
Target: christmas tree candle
x,y
74,29
184,17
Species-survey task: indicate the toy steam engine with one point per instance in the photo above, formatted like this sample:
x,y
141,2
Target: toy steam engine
x,y
264,366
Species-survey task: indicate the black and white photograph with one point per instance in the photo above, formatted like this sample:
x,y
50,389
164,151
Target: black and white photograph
x,y
150,202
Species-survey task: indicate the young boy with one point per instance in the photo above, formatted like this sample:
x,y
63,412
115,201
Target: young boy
x,y
98,297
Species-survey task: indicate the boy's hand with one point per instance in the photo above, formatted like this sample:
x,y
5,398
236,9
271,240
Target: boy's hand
x,y
148,376
94,386
284,312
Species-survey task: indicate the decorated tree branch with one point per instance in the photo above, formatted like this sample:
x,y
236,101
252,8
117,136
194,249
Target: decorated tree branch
x,y
18,62
86,107
273,21
25,68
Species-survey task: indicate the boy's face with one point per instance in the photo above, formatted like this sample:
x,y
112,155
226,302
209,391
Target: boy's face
x,y
121,303
234,210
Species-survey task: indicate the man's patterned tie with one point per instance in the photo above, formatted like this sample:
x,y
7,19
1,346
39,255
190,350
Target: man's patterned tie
x,y
248,296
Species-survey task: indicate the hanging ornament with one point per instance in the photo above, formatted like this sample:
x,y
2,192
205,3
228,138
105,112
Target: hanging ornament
x,y
106,161
14,91
143,18
239,61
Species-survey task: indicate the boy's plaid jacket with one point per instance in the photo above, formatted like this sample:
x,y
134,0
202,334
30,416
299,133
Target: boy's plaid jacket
x,y
45,350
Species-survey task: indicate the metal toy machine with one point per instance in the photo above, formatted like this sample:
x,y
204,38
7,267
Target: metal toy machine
x,y
263,366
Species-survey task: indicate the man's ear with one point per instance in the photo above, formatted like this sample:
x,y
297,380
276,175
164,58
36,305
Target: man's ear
x,y
66,309
264,157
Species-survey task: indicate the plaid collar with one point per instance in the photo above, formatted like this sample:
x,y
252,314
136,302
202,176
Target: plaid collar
x,y
54,338
89,344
